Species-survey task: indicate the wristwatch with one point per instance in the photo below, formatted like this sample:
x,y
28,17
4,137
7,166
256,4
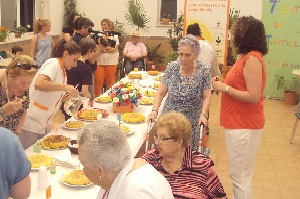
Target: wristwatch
x,y
3,114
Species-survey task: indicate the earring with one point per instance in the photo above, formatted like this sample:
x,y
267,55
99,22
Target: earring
x,y
100,178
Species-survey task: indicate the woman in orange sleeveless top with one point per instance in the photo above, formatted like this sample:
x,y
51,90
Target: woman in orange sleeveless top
x,y
242,105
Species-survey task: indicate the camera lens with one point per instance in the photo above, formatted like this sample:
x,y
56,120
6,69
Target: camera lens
x,y
90,30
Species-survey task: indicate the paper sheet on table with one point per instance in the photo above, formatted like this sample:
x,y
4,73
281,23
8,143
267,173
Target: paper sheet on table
x,y
65,159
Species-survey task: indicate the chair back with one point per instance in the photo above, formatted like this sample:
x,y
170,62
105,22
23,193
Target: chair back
x,y
297,108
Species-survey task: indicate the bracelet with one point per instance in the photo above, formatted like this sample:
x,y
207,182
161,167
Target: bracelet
x,y
155,110
206,116
227,89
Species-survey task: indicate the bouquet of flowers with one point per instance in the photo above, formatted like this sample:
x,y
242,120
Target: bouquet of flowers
x,y
124,94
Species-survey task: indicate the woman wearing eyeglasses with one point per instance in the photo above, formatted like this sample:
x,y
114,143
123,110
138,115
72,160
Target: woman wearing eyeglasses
x,y
47,91
188,85
189,173
14,95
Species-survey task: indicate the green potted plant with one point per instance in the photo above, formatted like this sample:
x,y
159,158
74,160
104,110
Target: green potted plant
x,y
19,31
176,32
136,15
153,56
290,96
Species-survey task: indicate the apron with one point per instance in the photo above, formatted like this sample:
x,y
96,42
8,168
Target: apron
x,y
43,105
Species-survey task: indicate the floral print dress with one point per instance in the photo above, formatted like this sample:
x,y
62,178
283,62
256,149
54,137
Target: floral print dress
x,y
185,94
14,119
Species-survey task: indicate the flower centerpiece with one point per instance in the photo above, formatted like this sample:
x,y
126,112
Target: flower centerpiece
x,y
166,19
125,97
4,32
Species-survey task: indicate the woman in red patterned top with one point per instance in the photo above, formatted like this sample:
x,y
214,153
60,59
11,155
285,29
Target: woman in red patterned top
x,y
242,105
190,174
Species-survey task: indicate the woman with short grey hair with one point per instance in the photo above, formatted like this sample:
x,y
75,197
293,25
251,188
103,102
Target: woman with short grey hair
x,y
105,154
187,82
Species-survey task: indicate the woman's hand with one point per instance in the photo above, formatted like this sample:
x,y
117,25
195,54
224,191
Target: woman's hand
x,y
216,78
12,106
71,90
203,119
219,86
152,117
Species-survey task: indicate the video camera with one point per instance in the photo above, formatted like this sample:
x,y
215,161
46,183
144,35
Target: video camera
x,y
96,34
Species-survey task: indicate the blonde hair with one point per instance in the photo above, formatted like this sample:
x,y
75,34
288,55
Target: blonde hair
x,y
178,125
19,60
39,24
109,23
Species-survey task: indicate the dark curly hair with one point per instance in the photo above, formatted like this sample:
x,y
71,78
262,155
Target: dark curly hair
x,y
249,34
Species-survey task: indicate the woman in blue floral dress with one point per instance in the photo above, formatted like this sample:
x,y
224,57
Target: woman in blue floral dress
x,y
188,85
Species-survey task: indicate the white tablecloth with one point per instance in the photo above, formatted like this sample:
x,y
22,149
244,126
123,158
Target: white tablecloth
x,y
60,190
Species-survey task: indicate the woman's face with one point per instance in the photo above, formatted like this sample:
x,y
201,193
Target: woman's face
x,y
105,26
165,143
187,56
19,84
70,61
47,28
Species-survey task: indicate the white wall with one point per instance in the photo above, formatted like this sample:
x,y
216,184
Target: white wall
x,y
115,10
54,11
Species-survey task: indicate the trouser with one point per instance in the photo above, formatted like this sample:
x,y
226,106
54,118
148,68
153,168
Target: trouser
x,y
28,138
242,146
104,72
130,65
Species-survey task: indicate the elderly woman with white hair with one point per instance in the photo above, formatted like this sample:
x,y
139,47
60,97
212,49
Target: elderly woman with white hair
x,y
106,157
188,85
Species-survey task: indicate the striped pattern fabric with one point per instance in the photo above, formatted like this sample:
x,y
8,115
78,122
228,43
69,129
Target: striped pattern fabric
x,y
195,180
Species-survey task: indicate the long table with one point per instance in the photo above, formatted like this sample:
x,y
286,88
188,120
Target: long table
x,y
60,190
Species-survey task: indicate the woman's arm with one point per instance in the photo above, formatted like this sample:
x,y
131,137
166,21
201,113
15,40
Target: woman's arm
x,y
33,46
51,40
253,76
205,107
85,91
21,122
44,83
160,94
22,189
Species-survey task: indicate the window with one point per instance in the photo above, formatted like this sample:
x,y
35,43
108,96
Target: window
x,y
167,7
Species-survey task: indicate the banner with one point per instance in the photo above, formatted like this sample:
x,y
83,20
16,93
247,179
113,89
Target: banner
x,y
212,17
281,19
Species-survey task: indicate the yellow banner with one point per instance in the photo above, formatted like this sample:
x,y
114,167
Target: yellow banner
x,y
212,17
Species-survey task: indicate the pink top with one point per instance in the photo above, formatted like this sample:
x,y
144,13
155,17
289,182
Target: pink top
x,y
134,49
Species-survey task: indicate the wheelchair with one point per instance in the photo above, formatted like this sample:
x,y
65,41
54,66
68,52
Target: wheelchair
x,y
122,70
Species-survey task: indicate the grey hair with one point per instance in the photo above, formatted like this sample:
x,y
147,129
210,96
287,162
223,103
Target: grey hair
x,y
103,143
190,40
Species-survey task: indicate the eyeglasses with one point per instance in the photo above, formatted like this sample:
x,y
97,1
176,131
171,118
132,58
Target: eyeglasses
x,y
27,66
93,51
162,138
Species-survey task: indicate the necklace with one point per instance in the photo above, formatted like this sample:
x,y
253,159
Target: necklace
x,y
185,86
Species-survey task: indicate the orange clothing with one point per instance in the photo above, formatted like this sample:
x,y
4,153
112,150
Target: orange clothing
x,y
241,115
108,73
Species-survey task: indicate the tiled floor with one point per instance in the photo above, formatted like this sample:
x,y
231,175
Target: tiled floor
x,y
277,169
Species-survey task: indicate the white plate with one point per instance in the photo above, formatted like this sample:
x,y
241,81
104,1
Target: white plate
x,y
63,125
57,149
73,185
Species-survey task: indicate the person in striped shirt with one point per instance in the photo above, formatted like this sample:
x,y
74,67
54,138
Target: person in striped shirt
x,y
190,173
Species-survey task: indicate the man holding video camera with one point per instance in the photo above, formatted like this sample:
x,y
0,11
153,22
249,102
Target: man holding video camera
x,y
83,30
134,53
